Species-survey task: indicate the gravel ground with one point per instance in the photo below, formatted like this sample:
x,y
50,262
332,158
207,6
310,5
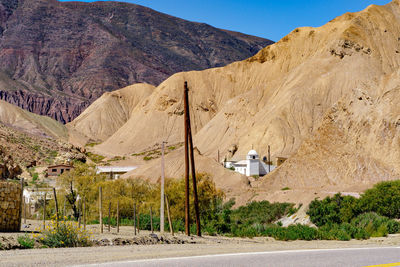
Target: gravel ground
x,y
193,246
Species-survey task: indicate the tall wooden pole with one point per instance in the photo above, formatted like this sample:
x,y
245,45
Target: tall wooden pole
x,y
79,213
194,182
186,109
169,216
101,209
162,190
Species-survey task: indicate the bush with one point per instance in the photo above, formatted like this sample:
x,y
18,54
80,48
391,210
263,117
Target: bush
x,y
64,234
333,210
292,232
376,225
25,241
383,198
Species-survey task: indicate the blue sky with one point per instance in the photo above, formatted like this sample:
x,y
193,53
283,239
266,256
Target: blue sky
x,y
271,19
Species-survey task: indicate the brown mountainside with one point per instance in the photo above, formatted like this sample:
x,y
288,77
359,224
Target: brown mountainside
x,y
58,57
325,97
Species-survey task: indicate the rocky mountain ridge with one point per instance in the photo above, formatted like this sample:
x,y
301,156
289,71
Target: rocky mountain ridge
x,y
58,57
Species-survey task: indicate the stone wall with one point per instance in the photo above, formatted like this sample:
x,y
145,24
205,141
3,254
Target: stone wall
x,y
10,207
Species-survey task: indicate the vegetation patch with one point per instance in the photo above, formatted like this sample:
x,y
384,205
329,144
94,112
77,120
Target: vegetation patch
x,y
95,157
64,234
25,241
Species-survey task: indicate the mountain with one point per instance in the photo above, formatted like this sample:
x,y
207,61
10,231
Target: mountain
x,y
58,57
327,98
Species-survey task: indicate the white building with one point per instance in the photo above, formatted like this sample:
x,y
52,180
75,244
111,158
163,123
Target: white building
x,y
251,166
114,171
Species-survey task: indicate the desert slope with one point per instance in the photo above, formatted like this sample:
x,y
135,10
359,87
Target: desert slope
x,y
108,113
325,97
23,120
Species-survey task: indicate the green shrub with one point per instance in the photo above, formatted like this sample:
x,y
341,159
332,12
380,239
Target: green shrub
x,y
376,225
383,198
333,210
26,242
64,234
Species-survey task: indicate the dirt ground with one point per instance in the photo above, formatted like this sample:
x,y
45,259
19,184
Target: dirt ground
x,y
193,246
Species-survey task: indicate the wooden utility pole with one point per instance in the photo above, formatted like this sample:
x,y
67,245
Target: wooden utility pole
x,y
109,216
187,188
151,220
118,216
169,216
162,190
101,209
194,182
190,139
269,159
44,212
134,217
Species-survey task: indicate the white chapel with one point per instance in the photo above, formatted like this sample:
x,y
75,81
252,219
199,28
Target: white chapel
x,y
251,166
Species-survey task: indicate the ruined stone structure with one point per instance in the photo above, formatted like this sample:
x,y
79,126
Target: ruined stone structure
x,y
10,207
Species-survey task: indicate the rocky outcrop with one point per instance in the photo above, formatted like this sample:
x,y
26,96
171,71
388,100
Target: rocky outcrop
x,y
8,168
57,57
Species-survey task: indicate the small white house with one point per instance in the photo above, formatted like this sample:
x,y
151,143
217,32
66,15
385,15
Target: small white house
x,y
251,166
114,171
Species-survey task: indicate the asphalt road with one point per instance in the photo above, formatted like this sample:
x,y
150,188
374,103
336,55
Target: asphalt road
x,y
389,256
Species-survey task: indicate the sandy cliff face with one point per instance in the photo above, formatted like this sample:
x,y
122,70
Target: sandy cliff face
x,y
325,97
58,57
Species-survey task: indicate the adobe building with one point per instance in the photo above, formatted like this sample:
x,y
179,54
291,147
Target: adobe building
x,y
57,170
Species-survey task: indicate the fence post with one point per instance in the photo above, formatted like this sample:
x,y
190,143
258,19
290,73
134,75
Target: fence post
x,y
169,216
134,217
101,209
84,213
56,203
118,216
24,205
138,220
44,212
151,220
79,212
64,214
109,216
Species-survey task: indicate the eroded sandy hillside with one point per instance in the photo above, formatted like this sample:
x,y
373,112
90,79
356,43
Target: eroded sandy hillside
x,y
325,97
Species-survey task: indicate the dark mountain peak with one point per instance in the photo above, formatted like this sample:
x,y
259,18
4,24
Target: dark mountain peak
x,y
57,57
